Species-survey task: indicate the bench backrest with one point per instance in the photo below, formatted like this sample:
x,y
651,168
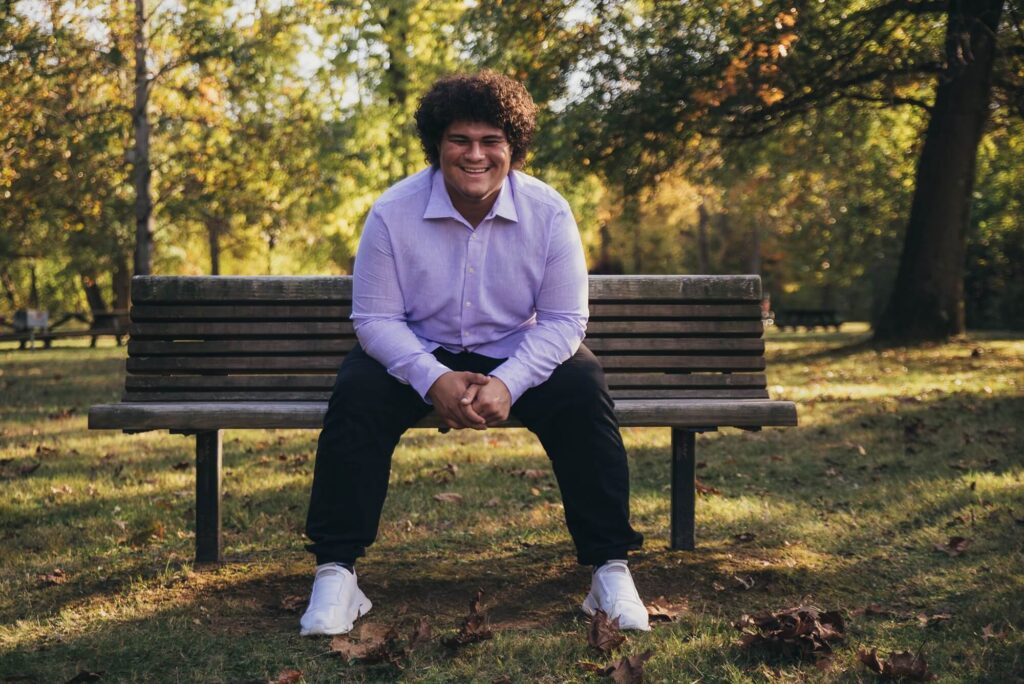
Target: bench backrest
x,y
283,338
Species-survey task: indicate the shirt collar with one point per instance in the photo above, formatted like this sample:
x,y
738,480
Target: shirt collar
x,y
440,203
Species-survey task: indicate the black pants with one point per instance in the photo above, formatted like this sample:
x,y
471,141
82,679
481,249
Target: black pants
x,y
571,413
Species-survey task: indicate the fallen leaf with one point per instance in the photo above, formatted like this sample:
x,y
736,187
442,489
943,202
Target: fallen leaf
x,y
660,610
705,489
803,631
989,632
475,626
491,503
375,643
531,473
182,465
448,497
874,609
903,665
85,676
630,670
63,489
58,576
47,451
421,633
955,546
603,634
933,620
744,537
293,603
446,473
288,677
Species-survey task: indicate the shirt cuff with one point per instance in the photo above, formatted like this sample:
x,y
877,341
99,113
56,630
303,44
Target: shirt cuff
x,y
424,373
516,377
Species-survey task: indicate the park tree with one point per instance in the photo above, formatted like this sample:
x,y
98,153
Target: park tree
x,y
733,71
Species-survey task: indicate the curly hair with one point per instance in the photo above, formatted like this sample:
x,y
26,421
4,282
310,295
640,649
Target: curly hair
x,y
485,97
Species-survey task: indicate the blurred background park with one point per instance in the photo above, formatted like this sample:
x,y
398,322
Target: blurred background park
x,y
863,157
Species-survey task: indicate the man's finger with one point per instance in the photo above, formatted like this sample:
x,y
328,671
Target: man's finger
x,y
473,418
478,378
470,395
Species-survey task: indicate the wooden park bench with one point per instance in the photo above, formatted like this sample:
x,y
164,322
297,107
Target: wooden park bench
x,y
212,353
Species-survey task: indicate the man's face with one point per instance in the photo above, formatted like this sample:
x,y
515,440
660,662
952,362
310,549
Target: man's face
x,y
475,158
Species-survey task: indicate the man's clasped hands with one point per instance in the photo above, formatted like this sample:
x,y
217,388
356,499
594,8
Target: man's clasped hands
x,y
470,400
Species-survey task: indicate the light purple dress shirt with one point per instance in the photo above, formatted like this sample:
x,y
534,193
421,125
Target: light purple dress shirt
x,y
513,288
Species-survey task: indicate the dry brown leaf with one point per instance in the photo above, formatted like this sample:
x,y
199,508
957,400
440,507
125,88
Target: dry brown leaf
x,y
989,632
446,473
491,503
375,644
421,633
955,546
293,603
448,497
659,610
58,576
744,537
630,670
803,631
288,677
603,634
903,665
934,619
705,489
874,609
475,626
531,473
746,582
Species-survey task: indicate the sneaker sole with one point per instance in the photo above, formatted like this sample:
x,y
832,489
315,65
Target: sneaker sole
x,y
364,607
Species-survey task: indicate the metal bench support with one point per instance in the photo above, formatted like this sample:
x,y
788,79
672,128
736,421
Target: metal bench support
x,y
208,495
684,488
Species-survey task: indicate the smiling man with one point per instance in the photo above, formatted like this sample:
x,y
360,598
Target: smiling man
x,y
470,299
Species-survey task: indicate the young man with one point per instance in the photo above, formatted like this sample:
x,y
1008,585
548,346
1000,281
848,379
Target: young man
x,y
470,298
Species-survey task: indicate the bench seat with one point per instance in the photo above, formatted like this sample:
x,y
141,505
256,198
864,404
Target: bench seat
x,y
197,416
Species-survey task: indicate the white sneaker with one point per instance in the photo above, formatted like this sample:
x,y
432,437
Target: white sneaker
x,y
336,602
612,591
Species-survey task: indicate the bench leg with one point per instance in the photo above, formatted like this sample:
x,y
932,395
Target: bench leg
x,y
684,488
208,494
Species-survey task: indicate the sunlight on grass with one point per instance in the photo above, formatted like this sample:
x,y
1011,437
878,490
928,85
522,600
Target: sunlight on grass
x,y
896,453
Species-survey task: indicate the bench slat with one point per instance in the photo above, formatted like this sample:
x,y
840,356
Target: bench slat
x,y
631,413
328,289
324,395
330,363
344,345
625,310
324,382
266,329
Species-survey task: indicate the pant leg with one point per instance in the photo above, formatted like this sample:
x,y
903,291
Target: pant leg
x,y
573,415
367,414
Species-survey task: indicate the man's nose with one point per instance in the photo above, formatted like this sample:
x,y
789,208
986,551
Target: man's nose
x,y
475,150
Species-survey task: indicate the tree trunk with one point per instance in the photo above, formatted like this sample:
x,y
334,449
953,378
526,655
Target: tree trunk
x,y
703,247
396,31
122,282
214,228
755,249
927,301
142,174
10,291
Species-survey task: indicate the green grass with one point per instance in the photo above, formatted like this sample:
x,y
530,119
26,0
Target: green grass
x,y
896,451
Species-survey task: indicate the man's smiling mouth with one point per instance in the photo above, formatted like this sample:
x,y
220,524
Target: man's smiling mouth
x,y
475,171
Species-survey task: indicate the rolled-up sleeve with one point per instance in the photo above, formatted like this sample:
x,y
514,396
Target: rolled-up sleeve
x,y
561,309
378,312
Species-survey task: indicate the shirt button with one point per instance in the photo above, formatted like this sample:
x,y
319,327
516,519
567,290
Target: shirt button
x,y
469,303
472,270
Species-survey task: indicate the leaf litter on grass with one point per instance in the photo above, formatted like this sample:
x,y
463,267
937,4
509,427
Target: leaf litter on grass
x,y
804,632
903,665
474,627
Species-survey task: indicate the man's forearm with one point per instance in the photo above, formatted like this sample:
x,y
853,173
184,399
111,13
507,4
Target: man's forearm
x,y
544,347
396,347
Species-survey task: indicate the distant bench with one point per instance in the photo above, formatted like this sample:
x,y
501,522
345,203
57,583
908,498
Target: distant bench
x,y
808,319
113,323
212,353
